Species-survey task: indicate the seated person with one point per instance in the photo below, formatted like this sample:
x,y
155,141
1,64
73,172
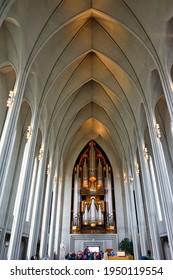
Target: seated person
x,y
112,253
79,256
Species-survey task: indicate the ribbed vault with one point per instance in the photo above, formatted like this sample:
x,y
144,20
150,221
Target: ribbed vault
x,y
84,66
88,82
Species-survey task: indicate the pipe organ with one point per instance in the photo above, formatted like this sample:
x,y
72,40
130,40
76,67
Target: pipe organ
x,y
92,206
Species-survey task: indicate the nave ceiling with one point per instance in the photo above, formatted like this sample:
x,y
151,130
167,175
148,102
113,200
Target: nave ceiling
x,y
90,66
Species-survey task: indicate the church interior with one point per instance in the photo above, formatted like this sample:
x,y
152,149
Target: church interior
x,y
86,127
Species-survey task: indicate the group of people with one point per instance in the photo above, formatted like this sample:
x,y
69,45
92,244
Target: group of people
x,y
88,255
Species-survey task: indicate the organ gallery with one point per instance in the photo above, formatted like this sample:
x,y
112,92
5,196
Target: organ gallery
x,y
92,199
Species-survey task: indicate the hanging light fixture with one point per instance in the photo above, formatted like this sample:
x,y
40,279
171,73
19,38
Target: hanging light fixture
x,y
157,129
29,132
137,168
10,98
125,178
48,169
131,179
146,153
55,180
40,155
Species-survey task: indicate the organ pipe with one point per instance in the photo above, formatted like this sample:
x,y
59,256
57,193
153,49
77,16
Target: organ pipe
x,y
92,176
93,212
85,174
76,199
100,174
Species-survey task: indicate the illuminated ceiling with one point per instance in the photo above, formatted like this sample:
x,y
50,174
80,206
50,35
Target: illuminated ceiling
x,y
88,64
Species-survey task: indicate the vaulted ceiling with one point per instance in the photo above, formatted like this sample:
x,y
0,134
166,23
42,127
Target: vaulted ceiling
x,y
88,63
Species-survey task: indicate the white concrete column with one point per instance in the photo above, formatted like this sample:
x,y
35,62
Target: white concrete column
x,y
128,212
5,168
150,205
59,212
32,190
134,228
171,125
141,215
164,186
58,229
53,218
37,204
9,134
158,201
165,191
46,212
22,195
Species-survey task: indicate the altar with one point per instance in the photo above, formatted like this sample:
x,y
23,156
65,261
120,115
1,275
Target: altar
x,y
78,242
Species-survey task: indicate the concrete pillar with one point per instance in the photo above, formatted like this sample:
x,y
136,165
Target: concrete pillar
x,y
53,218
59,212
22,194
37,205
127,200
4,169
150,204
134,228
141,215
8,135
46,213
164,186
